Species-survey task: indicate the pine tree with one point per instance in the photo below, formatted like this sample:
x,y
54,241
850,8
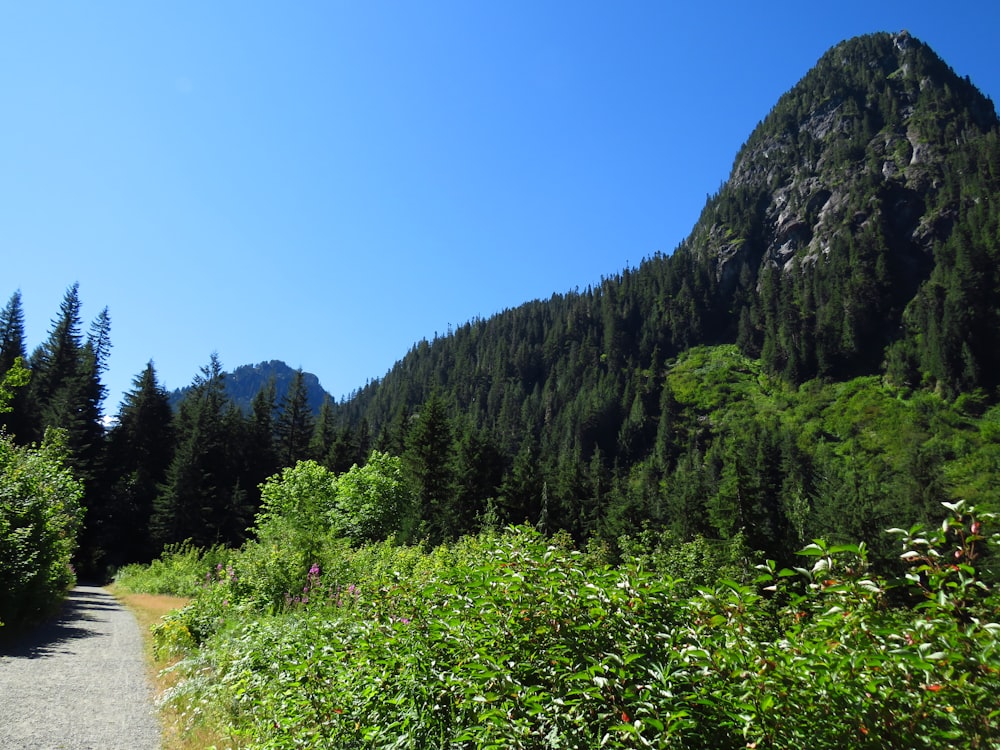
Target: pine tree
x,y
12,349
197,482
324,432
12,333
54,365
429,463
478,474
262,453
294,427
66,392
140,448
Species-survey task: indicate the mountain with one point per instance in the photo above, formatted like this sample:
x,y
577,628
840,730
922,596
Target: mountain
x,y
840,209
857,219
246,381
857,235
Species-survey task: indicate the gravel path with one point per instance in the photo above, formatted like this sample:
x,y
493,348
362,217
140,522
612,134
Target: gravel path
x,y
78,682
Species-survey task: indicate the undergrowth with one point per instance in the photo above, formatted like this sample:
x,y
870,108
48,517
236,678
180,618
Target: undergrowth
x,y
514,640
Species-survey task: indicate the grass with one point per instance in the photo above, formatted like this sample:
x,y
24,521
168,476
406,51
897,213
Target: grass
x,y
148,609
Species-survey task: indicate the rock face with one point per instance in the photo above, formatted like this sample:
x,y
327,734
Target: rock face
x,y
860,143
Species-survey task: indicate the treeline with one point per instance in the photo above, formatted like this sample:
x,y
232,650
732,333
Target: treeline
x,y
157,476
710,445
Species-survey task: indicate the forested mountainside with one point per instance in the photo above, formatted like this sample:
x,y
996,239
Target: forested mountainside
x,y
817,358
857,235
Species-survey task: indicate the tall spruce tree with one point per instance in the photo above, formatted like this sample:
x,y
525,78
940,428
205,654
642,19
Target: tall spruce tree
x,y
12,349
429,463
55,365
65,392
294,427
261,448
324,432
197,480
140,448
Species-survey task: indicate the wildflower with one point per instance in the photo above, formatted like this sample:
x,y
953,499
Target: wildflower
x,y
934,687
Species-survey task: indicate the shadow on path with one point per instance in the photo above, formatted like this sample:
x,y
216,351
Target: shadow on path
x,y
68,626
78,681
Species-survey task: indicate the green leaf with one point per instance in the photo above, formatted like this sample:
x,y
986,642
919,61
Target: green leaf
x,y
812,550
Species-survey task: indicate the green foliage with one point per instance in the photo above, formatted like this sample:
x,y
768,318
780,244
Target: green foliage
x,y
518,641
16,377
373,501
302,497
204,497
817,359
181,570
40,515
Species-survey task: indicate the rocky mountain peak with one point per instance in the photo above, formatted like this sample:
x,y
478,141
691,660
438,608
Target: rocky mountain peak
x,y
860,142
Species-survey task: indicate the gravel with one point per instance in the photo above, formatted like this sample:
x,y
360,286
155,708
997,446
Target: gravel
x,y
79,682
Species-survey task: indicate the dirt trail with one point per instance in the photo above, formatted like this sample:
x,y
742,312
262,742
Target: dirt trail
x,y
78,682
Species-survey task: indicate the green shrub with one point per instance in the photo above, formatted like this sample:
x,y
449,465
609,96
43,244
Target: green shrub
x,y
40,516
181,570
514,641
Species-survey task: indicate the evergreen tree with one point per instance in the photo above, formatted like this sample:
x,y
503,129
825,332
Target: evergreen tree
x,y
294,426
65,391
12,333
55,364
12,349
478,474
521,491
324,432
140,448
262,453
197,484
429,464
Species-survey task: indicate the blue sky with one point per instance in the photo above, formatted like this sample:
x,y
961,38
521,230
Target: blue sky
x,y
327,183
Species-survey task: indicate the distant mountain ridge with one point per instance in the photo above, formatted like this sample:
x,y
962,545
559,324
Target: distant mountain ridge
x,y
246,381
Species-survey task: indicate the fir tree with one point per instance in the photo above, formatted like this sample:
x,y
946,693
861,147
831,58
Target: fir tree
x,y
294,426
197,482
12,349
429,464
140,448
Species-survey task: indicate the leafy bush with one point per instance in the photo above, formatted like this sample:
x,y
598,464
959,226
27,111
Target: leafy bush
x,y
517,641
373,501
40,516
181,570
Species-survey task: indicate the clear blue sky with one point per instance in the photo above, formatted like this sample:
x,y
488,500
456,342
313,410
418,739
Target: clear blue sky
x,y
327,183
